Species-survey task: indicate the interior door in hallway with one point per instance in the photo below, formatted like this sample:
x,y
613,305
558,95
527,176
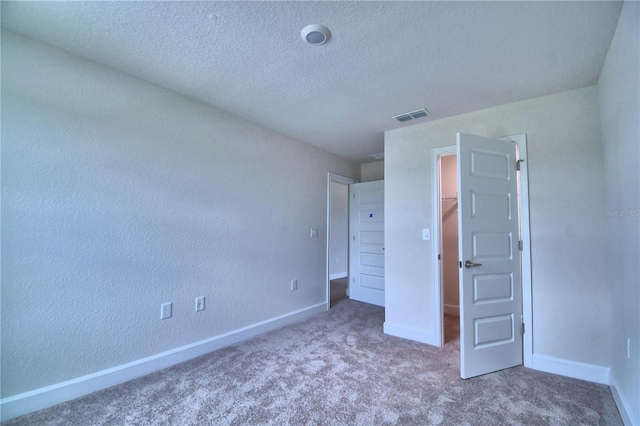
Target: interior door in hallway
x,y
489,254
366,258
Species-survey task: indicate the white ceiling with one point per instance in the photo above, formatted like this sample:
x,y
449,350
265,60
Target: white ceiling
x,y
384,58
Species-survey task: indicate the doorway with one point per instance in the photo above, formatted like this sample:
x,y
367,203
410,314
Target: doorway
x,y
449,247
337,238
443,209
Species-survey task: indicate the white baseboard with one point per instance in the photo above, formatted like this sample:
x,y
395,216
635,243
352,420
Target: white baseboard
x,y
575,369
410,333
338,275
623,404
452,310
48,396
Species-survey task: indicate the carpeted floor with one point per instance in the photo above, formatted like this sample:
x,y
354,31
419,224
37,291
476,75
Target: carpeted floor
x,y
337,368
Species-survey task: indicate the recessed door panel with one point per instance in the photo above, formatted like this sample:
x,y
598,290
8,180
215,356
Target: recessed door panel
x,y
373,195
368,216
491,245
372,259
492,331
491,206
372,282
488,164
372,237
492,288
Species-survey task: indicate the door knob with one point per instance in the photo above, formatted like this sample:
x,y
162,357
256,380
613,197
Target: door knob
x,y
469,264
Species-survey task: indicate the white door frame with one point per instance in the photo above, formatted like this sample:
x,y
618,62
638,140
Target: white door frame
x,y
523,189
436,154
332,177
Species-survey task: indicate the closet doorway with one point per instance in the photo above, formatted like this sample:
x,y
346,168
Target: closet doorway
x,y
448,225
337,238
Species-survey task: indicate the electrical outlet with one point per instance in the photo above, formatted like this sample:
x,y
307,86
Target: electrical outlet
x,y
200,303
294,284
314,233
165,310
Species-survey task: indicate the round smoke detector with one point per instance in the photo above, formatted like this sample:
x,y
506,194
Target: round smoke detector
x,y
315,34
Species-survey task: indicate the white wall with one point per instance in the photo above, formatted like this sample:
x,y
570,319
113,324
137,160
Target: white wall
x,y
449,234
571,297
372,171
619,96
118,195
339,242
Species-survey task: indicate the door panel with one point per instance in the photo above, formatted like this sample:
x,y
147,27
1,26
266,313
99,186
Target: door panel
x,y
366,260
491,245
490,289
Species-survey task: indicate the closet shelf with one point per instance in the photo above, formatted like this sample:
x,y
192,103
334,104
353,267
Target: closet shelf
x,y
450,198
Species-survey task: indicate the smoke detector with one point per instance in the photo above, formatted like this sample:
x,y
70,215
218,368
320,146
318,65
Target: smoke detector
x,y
315,34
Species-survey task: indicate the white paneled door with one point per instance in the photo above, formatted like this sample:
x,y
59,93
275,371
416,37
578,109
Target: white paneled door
x,y
490,278
366,253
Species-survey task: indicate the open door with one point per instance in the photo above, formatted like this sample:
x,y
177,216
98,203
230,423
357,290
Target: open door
x,y
366,248
489,253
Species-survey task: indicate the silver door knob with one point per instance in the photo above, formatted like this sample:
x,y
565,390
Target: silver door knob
x,y
469,264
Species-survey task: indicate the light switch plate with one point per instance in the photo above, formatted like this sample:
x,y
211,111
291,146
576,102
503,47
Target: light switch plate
x,y
165,310
426,234
200,303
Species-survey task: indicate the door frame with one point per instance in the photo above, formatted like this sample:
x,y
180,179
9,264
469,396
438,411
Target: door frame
x,y
523,191
332,177
436,154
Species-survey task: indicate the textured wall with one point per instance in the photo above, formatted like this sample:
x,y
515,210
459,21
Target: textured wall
x,y
118,195
619,96
571,311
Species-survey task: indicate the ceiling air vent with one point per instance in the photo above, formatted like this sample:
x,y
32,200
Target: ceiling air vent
x,y
377,156
403,117
419,113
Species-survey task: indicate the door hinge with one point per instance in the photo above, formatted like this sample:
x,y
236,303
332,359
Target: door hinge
x,y
522,328
518,164
460,263
439,258
520,245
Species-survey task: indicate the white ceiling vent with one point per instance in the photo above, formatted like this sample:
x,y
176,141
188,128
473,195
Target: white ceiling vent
x,y
419,113
377,156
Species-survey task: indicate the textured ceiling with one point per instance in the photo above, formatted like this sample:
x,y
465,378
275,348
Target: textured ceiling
x,y
384,58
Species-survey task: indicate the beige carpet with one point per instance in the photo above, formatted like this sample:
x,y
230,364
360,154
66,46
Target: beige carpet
x,y
337,368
